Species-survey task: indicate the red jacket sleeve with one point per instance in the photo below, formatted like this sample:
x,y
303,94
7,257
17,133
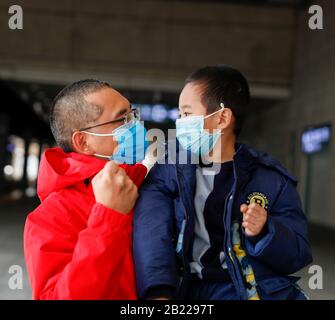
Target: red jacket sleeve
x,y
68,261
135,172
65,265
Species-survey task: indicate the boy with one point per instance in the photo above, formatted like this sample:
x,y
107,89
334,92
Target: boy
x,y
78,242
233,233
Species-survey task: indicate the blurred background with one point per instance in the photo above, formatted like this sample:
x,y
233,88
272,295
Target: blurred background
x,y
145,49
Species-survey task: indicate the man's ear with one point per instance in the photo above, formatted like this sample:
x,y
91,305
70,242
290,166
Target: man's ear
x,y
225,119
80,143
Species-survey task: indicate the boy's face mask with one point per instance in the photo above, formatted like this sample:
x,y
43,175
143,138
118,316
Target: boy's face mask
x,y
132,143
192,136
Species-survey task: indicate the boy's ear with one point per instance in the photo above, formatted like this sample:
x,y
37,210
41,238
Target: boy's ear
x,y
80,143
225,118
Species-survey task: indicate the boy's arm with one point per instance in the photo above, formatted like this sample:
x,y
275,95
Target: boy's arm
x,y
284,247
154,253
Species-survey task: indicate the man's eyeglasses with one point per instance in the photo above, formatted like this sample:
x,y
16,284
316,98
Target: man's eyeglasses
x,y
134,114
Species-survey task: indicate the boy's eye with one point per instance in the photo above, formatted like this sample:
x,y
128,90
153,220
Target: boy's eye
x,y
186,114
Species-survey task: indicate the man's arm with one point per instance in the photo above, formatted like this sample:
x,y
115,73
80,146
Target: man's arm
x,y
64,267
63,264
154,253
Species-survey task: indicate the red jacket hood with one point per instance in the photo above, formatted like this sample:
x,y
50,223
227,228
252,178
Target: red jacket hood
x,y
59,170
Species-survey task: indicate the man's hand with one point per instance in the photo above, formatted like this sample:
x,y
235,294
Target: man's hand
x,y
254,219
114,189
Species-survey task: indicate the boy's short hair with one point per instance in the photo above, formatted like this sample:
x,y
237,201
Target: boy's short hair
x,y
226,84
71,111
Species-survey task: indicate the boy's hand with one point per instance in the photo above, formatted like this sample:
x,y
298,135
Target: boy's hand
x,y
114,189
254,219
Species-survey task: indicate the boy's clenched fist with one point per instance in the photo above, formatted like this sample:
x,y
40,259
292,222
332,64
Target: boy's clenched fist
x,y
254,218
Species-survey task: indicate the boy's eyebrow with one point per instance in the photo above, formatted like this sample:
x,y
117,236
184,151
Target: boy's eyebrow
x,y
186,106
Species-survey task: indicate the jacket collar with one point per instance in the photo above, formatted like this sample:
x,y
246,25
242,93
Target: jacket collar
x,y
245,160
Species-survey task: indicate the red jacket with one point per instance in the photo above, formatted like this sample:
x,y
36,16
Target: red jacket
x,y
74,247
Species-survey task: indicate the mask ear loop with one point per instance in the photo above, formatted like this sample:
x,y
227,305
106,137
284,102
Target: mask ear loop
x,y
99,134
222,107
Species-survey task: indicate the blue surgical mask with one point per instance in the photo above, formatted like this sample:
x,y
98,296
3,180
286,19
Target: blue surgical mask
x,y
192,136
132,142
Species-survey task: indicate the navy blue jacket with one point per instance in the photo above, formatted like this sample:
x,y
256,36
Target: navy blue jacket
x,y
164,224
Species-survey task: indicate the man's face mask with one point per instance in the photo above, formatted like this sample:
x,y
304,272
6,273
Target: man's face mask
x,y
131,139
192,136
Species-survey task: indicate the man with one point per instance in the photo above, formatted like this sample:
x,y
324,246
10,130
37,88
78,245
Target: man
x,y
234,233
78,241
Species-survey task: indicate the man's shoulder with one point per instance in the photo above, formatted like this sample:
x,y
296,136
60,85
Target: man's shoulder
x,y
64,207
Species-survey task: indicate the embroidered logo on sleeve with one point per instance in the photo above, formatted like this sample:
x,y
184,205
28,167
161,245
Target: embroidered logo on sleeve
x,y
259,198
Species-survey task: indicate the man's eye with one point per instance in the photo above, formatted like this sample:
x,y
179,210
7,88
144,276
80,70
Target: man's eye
x,y
186,114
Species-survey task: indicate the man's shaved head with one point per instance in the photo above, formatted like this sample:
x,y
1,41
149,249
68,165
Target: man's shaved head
x,y
71,111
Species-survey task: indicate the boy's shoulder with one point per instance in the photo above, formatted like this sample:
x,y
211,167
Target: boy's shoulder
x,y
267,165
